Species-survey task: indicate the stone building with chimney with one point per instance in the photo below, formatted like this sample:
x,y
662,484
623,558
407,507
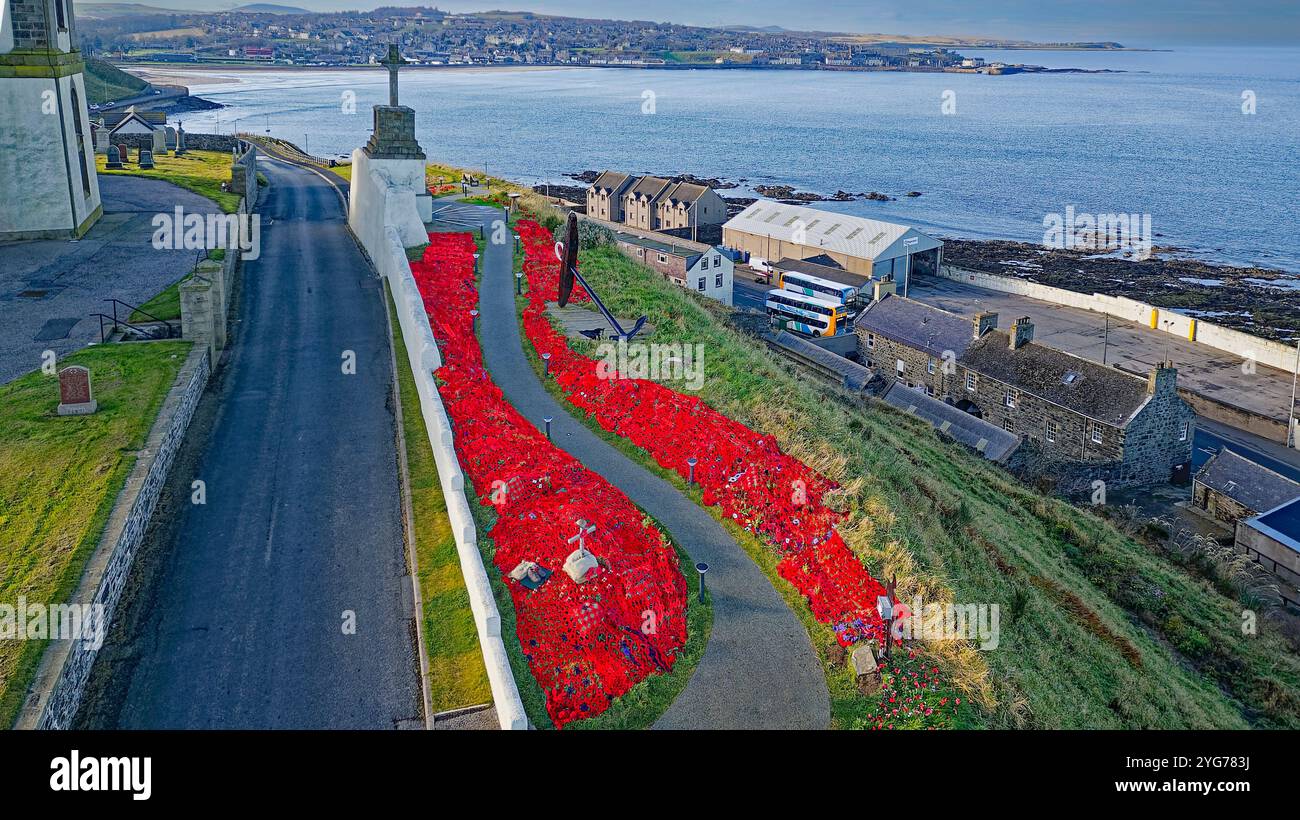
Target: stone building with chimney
x,y
1090,420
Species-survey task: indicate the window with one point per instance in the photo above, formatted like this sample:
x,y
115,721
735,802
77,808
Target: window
x,y
1052,430
663,258
717,280
61,14
700,284
929,366
1009,399
1096,433
871,341
970,382
900,366
1183,430
717,261
1006,425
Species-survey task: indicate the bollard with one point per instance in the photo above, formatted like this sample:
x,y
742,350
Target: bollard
x,y
546,364
548,427
701,568
691,462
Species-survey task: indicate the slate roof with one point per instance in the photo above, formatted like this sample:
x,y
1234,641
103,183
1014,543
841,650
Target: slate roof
x,y
917,325
611,180
855,375
649,187
1250,484
990,440
685,192
1098,392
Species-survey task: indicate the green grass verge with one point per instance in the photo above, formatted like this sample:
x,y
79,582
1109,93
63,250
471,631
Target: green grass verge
x,y
457,676
106,82
203,172
59,477
1097,630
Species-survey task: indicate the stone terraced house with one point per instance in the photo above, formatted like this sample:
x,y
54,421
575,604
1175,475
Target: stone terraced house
x,y
1089,420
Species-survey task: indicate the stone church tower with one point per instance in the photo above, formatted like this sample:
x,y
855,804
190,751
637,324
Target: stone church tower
x,y
48,186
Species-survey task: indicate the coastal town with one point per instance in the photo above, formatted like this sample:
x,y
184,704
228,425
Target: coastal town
x,y
265,34
379,441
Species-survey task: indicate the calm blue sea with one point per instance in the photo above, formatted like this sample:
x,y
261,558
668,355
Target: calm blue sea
x,y
1167,137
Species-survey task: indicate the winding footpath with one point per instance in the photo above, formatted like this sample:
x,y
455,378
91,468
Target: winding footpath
x,y
759,669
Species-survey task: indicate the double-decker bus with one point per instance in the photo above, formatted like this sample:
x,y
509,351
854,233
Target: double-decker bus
x,y
807,314
816,287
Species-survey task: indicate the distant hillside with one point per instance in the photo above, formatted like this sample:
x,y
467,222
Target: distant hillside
x,y
269,8
105,82
111,11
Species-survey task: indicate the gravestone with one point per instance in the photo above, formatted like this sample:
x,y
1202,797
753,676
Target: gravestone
x,y
114,158
123,153
146,158
180,140
75,396
101,140
169,138
159,142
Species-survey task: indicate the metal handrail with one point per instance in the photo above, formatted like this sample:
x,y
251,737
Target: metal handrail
x,y
144,331
171,331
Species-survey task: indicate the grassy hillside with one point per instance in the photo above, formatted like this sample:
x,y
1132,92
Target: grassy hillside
x,y
106,82
1097,630
59,477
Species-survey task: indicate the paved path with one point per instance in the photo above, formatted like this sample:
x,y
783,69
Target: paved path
x,y
243,627
759,669
49,287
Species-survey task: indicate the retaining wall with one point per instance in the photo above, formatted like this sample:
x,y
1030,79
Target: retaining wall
x,y
376,203
61,681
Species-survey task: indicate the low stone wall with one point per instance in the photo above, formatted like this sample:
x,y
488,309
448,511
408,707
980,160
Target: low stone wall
x,y
373,213
60,683
210,142
1264,351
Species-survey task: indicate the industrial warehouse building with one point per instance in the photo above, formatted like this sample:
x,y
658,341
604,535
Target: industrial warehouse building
x,y
772,231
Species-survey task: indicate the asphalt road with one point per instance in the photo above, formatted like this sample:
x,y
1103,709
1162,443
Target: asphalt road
x,y
243,623
759,669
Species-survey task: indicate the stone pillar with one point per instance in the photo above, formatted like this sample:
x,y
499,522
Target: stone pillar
x,y
215,273
198,315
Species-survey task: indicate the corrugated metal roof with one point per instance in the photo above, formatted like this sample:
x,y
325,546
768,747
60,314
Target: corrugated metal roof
x,y
993,442
853,235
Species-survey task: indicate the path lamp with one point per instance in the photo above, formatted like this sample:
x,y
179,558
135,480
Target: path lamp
x,y
516,236
519,283
548,427
473,320
691,462
885,608
546,364
476,264
514,201
701,568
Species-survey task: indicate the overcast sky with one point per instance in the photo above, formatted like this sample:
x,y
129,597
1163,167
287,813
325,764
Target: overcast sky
x,y
1132,22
